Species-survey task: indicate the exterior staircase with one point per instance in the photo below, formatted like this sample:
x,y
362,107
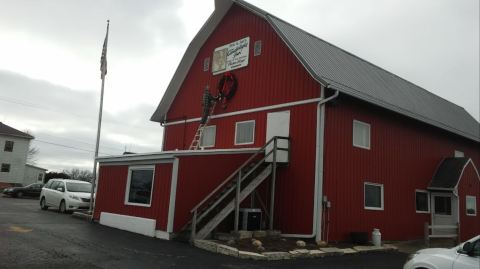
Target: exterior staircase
x,y
226,198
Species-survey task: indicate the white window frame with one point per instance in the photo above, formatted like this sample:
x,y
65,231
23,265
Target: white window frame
x,y
458,154
381,196
466,199
428,201
253,134
214,136
127,188
369,134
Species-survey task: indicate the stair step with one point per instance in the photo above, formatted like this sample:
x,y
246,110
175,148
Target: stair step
x,y
220,216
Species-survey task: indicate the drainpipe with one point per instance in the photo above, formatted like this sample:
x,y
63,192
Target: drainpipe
x,y
318,189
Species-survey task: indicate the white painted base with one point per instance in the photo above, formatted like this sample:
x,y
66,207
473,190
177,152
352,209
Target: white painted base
x,y
128,223
162,235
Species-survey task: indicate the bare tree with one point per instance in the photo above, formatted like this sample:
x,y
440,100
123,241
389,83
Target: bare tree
x,y
32,155
78,174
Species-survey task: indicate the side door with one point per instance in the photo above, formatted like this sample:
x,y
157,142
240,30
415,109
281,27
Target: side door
x,y
50,194
443,212
278,124
472,261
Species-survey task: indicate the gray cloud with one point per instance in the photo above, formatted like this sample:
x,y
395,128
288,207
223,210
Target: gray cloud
x,y
79,25
64,122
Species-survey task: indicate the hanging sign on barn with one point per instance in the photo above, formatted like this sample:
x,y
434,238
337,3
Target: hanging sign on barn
x,y
231,56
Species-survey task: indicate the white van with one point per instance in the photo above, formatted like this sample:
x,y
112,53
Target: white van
x,y
66,195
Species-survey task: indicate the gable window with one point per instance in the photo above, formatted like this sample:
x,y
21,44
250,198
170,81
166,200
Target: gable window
x,y
244,132
361,134
206,64
471,205
373,196
5,168
458,154
139,185
8,146
422,201
208,137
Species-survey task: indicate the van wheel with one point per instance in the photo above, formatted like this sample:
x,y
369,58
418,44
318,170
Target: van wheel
x,y
62,208
19,194
43,205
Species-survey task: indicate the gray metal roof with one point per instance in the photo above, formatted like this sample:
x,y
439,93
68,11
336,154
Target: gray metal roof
x,y
343,71
448,173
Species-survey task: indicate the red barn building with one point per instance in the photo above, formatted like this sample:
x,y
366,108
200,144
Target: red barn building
x,y
324,143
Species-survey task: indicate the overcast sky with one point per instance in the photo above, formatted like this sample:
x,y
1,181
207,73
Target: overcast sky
x,y
50,52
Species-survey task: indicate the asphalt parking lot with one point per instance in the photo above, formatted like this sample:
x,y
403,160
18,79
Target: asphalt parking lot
x,y
32,238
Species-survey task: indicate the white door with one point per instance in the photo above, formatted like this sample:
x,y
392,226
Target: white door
x,y
278,124
444,212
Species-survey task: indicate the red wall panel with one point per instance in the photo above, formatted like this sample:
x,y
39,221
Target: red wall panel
x,y
274,77
403,157
469,185
111,194
198,175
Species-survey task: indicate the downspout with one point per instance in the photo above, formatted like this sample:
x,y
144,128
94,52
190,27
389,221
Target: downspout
x,y
318,189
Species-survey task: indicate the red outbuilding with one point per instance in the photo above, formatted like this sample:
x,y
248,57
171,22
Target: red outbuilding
x,y
262,117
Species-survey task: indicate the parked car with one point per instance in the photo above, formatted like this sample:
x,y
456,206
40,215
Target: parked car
x,y
32,190
463,256
66,195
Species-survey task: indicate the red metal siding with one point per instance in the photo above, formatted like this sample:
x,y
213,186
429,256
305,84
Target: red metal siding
x,y
469,185
197,177
295,182
111,194
274,77
403,157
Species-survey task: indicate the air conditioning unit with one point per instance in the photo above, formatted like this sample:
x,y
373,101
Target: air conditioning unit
x,y
250,219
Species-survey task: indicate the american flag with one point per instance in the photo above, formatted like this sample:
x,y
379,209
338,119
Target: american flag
x,y
103,59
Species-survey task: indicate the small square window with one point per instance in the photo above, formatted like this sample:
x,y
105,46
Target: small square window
x,y
458,154
373,196
139,186
244,132
257,48
422,201
208,137
206,64
361,134
471,205
8,146
5,168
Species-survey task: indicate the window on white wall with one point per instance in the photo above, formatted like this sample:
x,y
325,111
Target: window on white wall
x,y
471,205
208,137
5,168
244,132
8,146
422,201
373,196
139,185
361,134
458,154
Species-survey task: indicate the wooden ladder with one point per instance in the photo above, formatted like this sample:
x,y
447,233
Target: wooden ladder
x,y
198,135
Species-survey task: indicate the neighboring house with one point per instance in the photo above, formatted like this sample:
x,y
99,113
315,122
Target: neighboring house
x,y
366,148
14,146
34,174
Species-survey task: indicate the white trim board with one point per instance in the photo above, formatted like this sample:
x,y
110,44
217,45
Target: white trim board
x,y
129,223
173,195
246,111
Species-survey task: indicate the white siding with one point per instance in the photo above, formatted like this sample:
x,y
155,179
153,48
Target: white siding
x,y
17,159
31,174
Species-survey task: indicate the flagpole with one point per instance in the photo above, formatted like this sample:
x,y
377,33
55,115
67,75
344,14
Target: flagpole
x,y
103,68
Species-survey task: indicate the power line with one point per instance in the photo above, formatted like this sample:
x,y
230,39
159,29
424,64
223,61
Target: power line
x,y
70,147
78,141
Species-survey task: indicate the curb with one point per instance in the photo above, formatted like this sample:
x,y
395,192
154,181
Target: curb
x,y
82,215
215,247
